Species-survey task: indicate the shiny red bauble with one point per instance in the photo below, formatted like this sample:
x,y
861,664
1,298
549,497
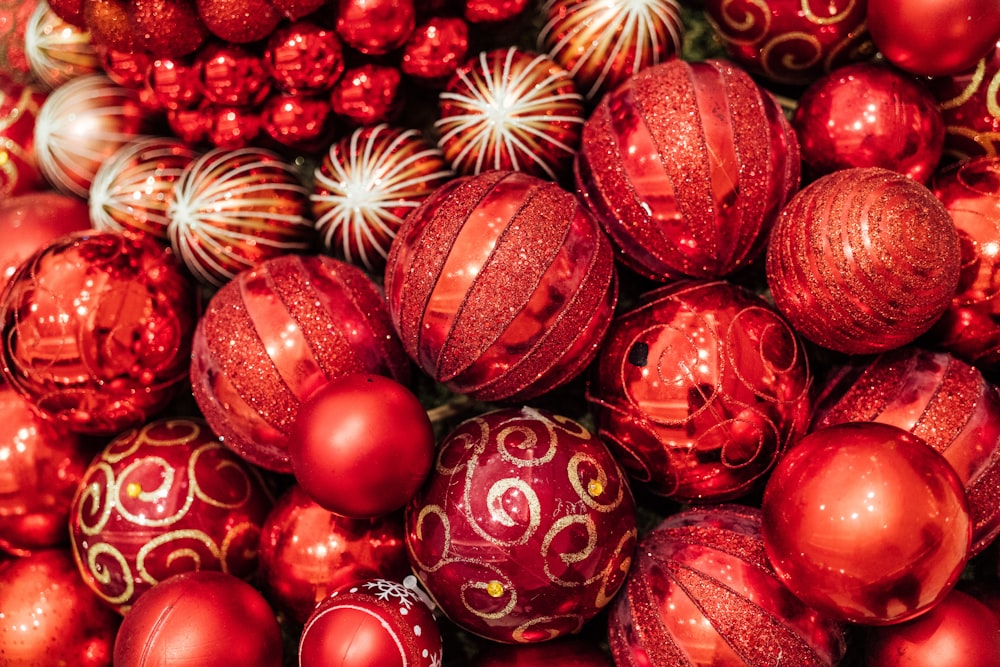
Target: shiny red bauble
x,y
375,27
701,592
699,389
200,618
298,122
686,166
19,106
304,57
31,221
501,285
525,528
368,94
863,260
175,83
968,102
864,522
435,49
232,75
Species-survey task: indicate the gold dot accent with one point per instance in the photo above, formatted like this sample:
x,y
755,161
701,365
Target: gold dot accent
x,y
595,488
495,589
133,489
4,157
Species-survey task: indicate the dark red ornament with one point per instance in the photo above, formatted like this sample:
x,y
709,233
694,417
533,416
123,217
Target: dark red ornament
x,y
231,128
31,221
14,18
231,75
375,27
239,21
493,11
166,28
368,94
297,9
298,121
571,651
304,57
107,23
175,82
435,49
19,107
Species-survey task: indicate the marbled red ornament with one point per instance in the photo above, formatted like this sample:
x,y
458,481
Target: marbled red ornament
x,y
304,57
368,94
31,221
970,105
19,107
701,592
686,166
298,121
57,51
501,285
175,83
239,21
167,28
863,260
232,75
435,49
526,527
375,27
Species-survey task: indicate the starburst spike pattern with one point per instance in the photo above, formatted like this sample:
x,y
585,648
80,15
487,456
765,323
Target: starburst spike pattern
x,y
508,109
57,51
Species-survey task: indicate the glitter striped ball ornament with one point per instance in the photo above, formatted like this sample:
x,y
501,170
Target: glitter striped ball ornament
x,y
57,52
365,186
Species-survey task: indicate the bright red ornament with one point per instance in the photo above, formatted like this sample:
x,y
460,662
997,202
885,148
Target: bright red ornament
x,y
699,389
701,592
863,260
231,75
239,21
368,94
513,110
864,522
31,221
57,51
525,528
175,82
375,27
971,109
167,28
129,69
200,618
19,106
277,333
304,57
686,166
435,49
298,121
307,552
501,285
366,184
96,330
571,651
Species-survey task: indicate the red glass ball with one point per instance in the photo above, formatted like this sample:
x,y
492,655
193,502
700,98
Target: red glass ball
x,y
19,107
864,522
166,28
525,528
232,75
375,27
239,21
304,57
30,221
298,121
682,197
368,94
863,260
501,285
435,49
968,103
230,128
129,69
175,82
699,389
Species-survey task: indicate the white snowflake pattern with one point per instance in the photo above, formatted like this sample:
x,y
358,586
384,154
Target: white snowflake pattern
x,y
437,659
384,589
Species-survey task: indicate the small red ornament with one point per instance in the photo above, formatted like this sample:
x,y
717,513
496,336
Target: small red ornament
x,y
57,51
31,221
864,522
189,125
525,528
19,107
571,651
128,69
297,9
375,27
277,333
701,592
501,285
166,28
367,94
366,184
14,18
200,618
175,83
686,166
232,76
493,11
863,260
513,110
239,21
304,57
230,128
435,49
107,23
298,121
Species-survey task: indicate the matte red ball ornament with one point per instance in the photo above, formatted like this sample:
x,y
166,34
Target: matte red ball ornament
x,y
239,21
969,106
701,592
375,27
693,186
368,94
30,221
501,285
526,527
167,28
57,51
304,57
864,522
863,260
19,107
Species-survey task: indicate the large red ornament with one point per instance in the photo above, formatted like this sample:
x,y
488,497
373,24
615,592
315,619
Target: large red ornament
x,y
970,106
166,28
375,27
57,51
701,592
30,221
686,166
304,57
526,527
239,21
19,106
571,651
501,285
97,330
699,389
864,522
277,333
863,260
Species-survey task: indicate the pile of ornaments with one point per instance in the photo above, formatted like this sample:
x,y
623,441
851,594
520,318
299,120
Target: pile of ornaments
x,y
582,332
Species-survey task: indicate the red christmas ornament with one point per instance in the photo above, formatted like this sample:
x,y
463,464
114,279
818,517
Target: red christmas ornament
x,y
107,23
166,28
866,523
232,76
603,43
19,106
368,94
128,69
164,499
14,18
572,651
525,528
863,260
307,552
233,209
175,83
304,57
492,11
681,190
701,592
239,21
501,285
277,333
297,9
97,330
512,110
435,49
297,121
31,221
377,622
199,618
57,51
699,390
366,184
868,115
375,27
189,125
70,11
230,128
50,617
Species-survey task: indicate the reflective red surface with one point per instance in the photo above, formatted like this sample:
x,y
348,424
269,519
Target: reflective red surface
x,y
375,27
32,220
304,57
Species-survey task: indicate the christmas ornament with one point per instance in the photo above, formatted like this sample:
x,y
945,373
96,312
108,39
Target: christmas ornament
x,y
49,615
604,43
435,49
175,83
96,330
701,592
275,334
510,109
189,125
70,11
681,190
572,651
866,523
129,69
239,21
869,115
160,500
232,76
971,109
298,121
366,184
491,11
863,260
375,27
133,189
233,209
699,389
230,128
14,18
376,622
199,618
31,221
297,9
501,285
167,28
19,106
307,552
367,94
57,51
107,23
525,528
788,41
303,57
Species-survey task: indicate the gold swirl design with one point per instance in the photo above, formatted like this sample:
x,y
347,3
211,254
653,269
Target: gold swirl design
x,y
463,441
442,516
198,490
494,501
102,574
508,590
832,19
188,552
992,98
978,75
558,526
129,443
989,141
734,25
789,61
777,332
616,569
520,633
90,494
243,533
150,496
583,487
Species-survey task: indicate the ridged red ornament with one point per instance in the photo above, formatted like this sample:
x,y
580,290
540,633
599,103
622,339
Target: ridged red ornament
x,y
435,49
232,75
175,83
304,57
368,94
